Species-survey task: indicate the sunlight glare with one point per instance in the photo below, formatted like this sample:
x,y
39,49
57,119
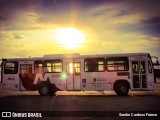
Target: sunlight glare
x,y
70,38
71,67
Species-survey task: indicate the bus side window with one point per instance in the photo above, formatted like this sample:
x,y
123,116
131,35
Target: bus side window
x,y
26,68
53,66
135,67
117,64
11,67
38,66
134,70
149,67
143,68
94,65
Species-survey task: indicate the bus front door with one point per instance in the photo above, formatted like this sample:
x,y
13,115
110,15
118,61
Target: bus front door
x,y
139,77
73,75
26,76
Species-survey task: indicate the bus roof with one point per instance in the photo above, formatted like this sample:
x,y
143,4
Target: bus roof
x,y
76,56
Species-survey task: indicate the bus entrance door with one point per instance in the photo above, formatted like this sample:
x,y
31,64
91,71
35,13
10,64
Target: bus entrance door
x,y
139,77
26,76
73,78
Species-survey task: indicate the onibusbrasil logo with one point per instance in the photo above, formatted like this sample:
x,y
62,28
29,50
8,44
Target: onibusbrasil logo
x,y
21,114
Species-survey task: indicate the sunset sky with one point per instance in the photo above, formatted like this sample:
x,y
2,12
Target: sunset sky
x,y
29,27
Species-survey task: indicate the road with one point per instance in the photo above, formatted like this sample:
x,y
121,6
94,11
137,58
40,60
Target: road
x,y
88,105
90,102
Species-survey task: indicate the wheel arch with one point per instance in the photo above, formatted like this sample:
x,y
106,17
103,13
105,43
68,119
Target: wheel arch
x,y
43,81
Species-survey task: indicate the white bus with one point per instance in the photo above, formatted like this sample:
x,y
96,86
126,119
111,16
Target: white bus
x,y
70,72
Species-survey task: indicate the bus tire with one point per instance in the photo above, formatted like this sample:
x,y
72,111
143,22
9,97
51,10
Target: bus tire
x,y
121,89
44,89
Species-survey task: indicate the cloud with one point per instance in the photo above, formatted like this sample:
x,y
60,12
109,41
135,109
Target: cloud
x,y
18,14
6,35
2,18
126,16
148,26
19,37
151,26
9,35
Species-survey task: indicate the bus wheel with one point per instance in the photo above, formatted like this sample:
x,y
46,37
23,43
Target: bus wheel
x,y
122,90
44,89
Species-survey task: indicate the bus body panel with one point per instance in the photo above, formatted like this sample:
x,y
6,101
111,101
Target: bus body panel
x,y
100,80
11,82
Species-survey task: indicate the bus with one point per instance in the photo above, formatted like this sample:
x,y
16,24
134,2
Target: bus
x,y
75,72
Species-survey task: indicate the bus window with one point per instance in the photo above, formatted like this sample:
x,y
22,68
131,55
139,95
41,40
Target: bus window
x,y
70,68
73,68
135,67
149,67
38,67
54,66
26,69
143,68
101,65
117,64
94,65
11,67
57,66
77,69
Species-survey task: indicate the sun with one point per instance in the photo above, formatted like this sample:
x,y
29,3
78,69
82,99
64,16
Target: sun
x,y
70,38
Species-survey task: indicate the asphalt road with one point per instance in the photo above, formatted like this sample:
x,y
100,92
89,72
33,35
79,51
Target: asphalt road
x,y
82,105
